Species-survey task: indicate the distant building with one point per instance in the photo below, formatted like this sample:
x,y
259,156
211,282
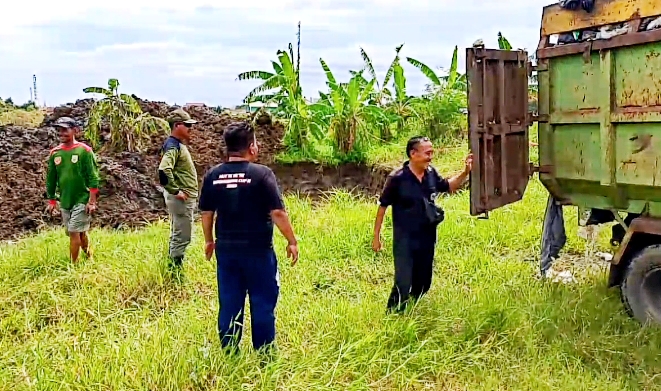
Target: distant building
x,y
187,105
254,106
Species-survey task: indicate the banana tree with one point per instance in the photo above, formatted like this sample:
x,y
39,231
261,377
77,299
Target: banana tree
x,y
288,95
285,77
453,80
284,80
283,87
503,43
440,110
345,111
129,126
382,94
401,105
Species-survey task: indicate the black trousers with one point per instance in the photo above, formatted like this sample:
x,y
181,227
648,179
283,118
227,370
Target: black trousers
x,y
414,264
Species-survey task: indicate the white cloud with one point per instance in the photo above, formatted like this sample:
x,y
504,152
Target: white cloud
x,y
130,47
128,12
149,41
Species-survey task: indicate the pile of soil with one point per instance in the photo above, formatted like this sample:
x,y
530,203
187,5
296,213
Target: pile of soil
x,y
207,137
129,194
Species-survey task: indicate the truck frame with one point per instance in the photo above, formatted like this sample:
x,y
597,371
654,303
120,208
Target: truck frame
x,y
599,128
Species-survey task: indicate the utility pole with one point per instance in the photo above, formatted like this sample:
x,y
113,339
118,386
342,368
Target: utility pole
x,y
31,96
34,88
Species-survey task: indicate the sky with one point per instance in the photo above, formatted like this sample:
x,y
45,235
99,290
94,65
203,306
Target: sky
x,y
192,50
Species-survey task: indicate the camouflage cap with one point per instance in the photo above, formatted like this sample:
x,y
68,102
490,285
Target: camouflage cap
x,y
179,115
66,122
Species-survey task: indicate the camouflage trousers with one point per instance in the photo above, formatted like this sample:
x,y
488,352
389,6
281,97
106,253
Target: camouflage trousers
x,y
181,224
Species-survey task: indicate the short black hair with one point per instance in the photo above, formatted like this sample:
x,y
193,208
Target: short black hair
x,y
238,136
413,143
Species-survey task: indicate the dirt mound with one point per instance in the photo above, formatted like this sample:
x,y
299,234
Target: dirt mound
x,y
22,178
207,134
77,111
129,194
312,179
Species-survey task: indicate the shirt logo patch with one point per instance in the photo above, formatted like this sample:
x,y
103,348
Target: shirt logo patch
x,y
74,159
232,181
58,160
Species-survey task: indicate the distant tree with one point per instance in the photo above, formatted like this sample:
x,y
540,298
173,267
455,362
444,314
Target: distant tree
x,y
29,106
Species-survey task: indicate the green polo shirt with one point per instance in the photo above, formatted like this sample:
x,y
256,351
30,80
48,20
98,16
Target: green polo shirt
x,y
73,172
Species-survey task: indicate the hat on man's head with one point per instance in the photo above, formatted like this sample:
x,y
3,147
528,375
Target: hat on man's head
x,y
66,122
179,115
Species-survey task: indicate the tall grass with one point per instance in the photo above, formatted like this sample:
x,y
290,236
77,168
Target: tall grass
x,y
488,323
25,118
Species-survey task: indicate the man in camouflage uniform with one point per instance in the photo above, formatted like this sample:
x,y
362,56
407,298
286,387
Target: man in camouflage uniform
x,y
178,177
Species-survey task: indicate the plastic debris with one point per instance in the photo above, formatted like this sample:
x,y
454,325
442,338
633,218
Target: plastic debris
x,y
565,276
573,5
607,32
566,38
570,4
654,24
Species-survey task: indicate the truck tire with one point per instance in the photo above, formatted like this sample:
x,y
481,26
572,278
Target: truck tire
x,y
641,288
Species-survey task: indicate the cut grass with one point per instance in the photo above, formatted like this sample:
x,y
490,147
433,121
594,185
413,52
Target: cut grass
x,y
115,323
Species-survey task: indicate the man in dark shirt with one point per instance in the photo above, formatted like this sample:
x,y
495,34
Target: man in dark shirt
x,y
412,191
246,201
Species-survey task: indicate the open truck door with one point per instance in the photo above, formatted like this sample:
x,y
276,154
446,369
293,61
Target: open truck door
x,y
498,122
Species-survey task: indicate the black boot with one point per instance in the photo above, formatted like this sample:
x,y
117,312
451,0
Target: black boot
x,y
175,268
175,262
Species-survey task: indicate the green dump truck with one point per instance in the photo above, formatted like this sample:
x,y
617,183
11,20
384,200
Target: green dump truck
x,y
599,124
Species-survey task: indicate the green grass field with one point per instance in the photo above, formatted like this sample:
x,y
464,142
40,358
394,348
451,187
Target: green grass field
x,y
21,117
488,323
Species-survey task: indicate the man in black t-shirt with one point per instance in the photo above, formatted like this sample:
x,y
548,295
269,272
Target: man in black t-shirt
x,y
246,201
412,191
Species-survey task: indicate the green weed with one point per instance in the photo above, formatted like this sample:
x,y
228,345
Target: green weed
x,y
488,323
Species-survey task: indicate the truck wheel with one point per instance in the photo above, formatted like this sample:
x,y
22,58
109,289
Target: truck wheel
x,y
641,288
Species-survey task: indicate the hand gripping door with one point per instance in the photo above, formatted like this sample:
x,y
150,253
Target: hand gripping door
x,y
498,123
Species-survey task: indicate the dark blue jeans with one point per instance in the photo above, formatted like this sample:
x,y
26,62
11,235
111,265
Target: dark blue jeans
x,y
254,273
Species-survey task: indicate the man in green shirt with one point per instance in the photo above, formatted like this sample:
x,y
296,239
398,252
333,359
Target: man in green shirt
x,y
73,173
178,177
